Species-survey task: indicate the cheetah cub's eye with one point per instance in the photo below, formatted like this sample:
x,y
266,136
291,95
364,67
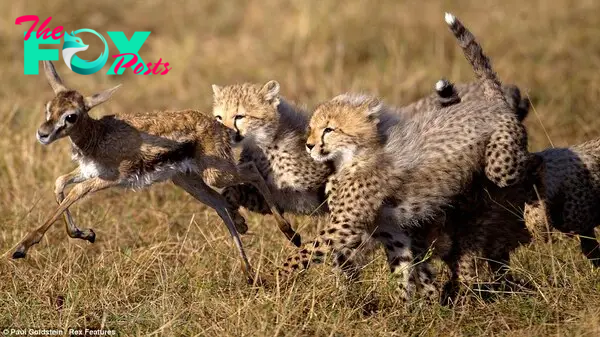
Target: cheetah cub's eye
x,y
219,118
327,130
238,117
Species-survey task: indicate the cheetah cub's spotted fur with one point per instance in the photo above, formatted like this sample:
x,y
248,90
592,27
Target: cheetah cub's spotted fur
x,y
570,196
478,232
297,181
481,226
426,162
472,91
272,133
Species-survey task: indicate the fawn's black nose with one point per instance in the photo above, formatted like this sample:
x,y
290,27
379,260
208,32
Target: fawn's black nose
x,y
43,134
309,146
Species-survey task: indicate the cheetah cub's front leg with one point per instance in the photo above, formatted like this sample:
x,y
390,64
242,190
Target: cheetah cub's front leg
x,y
354,208
349,233
347,247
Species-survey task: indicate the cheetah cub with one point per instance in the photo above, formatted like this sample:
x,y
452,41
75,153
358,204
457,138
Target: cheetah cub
x,y
425,162
272,133
480,230
482,226
570,195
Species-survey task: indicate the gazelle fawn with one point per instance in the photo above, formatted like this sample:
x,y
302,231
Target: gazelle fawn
x,y
137,150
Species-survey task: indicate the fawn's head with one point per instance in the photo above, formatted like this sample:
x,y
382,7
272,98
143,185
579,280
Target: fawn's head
x,y
67,109
248,110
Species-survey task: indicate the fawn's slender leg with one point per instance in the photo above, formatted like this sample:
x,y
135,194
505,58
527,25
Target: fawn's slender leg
x,y
73,177
249,174
195,186
78,192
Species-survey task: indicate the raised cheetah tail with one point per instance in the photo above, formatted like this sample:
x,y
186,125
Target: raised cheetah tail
x,y
492,87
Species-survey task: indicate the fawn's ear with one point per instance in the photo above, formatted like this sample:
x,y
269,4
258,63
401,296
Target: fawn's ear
x,y
100,97
270,92
52,76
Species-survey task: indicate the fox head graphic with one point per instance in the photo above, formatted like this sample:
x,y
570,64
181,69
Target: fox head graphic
x,y
74,44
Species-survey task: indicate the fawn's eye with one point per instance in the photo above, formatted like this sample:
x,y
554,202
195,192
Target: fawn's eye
x,y
72,118
327,130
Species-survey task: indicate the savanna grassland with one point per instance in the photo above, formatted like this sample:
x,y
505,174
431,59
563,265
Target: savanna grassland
x,y
164,265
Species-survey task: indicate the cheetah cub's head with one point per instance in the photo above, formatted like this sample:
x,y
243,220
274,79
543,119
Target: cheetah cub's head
x,y
341,127
248,110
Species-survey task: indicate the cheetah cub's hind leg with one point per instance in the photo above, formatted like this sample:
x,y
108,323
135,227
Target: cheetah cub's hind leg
x,y
464,273
506,153
426,277
580,217
506,157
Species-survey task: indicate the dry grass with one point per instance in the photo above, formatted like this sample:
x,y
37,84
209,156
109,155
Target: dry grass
x,y
164,265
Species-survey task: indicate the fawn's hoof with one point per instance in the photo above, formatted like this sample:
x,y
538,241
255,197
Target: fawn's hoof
x,y
240,223
86,234
297,240
241,227
259,281
91,237
18,254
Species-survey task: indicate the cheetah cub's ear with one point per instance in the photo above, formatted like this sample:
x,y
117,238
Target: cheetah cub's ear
x,y
270,92
373,107
216,90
